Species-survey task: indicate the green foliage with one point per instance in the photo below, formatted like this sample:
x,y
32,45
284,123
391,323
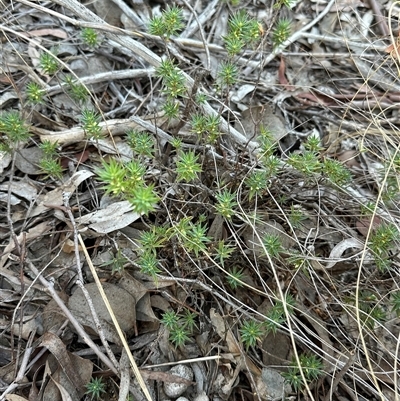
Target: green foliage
x,y
336,172
148,264
293,377
91,123
392,189
257,182
367,209
175,85
227,74
90,37
143,198
153,239
242,30
273,244
207,126
179,336
267,142
15,129
95,388
170,319
166,69
49,148
234,45
381,241
135,171
198,124
50,163
289,302
298,261
281,31
48,63
196,239
242,26
383,238
201,98
113,174
395,302
76,90
296,216
177,143
235,277
251,332
275,318
276,315
310,365
168,24
171,109
179,326
117,262
141,143
34,93
187,166
226,202
213,123
127,180
192,236
188,320
51,167
271,164
287,3
307,162
313,144
223,251
172,78
371,312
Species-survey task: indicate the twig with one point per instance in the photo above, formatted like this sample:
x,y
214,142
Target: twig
x,y
203,38
203,18
134,366
129,13
78,327
22,369
80,282
338,378
380,19
350,43
106,77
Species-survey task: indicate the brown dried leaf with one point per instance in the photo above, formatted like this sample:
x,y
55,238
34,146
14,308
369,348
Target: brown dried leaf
x,y
121,301
32,234
15,397
58,33
75,370
363,225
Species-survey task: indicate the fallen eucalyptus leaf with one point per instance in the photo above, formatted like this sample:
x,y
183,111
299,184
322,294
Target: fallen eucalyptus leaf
x,y
340,248
114,217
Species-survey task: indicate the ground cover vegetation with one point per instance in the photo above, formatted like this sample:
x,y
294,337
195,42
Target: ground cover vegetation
x,y
212,185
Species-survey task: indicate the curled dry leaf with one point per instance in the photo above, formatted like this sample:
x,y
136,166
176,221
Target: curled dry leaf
x,y
342,247
55,197
15,397
32,234
66,369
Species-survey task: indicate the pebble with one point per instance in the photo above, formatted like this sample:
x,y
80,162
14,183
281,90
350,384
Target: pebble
x,y
174,390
